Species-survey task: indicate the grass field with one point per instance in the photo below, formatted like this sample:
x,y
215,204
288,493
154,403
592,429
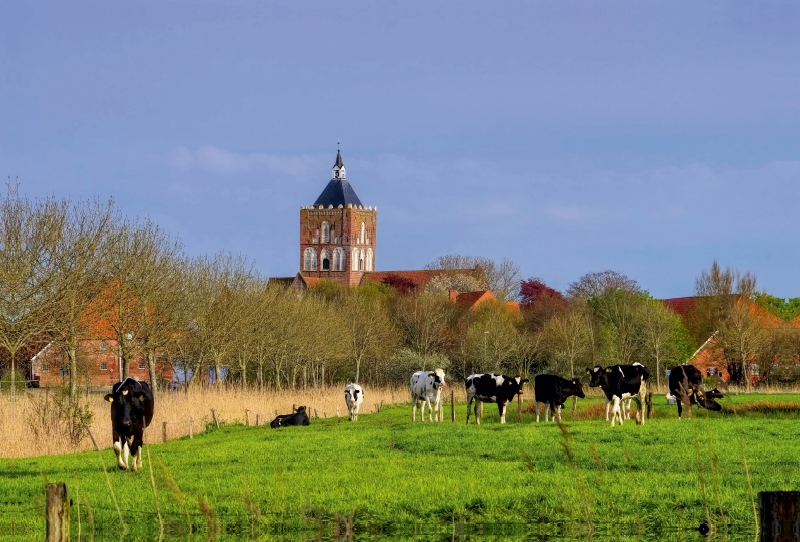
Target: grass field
x,y
385,475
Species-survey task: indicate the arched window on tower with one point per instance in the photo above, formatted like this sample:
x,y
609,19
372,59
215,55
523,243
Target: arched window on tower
x,y
354,260
310,260
326,232
361,261
369,259
325,258
339,257
363,233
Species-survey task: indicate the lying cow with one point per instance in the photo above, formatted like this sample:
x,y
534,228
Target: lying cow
x,y
131,411
426,388
621,383
553,391
353,396
298,417
492,388
686,386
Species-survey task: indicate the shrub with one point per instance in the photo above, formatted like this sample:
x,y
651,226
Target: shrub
x,y
53,416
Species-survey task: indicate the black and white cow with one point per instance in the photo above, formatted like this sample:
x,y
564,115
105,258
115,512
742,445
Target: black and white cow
x,y
353,396
553,391
492,388
426,388
686,385
298,417
132,409
621,383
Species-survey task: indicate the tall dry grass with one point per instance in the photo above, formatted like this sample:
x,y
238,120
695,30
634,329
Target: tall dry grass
x,y
181,410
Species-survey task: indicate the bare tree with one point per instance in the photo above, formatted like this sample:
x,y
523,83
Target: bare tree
x,y
424,321
370,332
568,337
596,284
502,279
661,335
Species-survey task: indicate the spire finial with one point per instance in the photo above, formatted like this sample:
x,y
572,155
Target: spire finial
x,y
337,144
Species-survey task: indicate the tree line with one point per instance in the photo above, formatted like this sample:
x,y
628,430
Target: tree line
x,y
72,271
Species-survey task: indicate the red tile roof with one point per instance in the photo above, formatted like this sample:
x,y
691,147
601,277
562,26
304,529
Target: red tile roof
x,y
469,300
419,277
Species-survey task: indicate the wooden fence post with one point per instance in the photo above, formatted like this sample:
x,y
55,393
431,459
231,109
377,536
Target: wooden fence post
x,y
94,441
191,428
519,407
452,404
164,432
214,417
257,417
57,512
779,514
247,416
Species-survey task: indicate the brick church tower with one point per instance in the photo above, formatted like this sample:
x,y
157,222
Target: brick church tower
x,y
337,233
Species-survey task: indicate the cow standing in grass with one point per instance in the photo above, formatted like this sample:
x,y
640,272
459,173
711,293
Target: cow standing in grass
x,y
353,396
686,385
621,383
492,388
132,409
426,388
553,391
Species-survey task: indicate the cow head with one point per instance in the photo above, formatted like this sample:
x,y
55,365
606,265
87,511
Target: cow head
x,y
707,399
520,382
578,388
131,403
595,375
351,395
437,379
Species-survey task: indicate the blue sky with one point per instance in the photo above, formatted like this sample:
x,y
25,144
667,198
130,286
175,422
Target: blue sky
x,y
570,137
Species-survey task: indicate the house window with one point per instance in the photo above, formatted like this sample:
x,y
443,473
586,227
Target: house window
x,y
64,371
104,366
103,345
755,370
310,260
711,371
326,261
339,257
354,259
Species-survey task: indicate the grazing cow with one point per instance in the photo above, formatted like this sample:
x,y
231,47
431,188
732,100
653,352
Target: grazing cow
x,y
426,386
686,386
298,417
553,391
353,396
131,411
492,388
621,383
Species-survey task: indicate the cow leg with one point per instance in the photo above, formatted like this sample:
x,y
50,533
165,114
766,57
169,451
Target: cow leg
x,y
537,412
477,416
616,411
136,451
608,407
126,450
501,406
414,404
469,405
118,439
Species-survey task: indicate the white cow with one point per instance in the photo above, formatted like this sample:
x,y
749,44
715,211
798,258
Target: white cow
x,y
426,387
353,396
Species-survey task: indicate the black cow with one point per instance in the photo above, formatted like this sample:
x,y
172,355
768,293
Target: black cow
x,y
686,385
492,388
298,417
553,391
620,383
131,411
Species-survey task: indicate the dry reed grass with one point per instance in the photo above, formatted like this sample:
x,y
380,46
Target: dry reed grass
x,y
764,407
181,410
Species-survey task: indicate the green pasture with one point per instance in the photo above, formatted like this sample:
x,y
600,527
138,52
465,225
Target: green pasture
x,y
384,474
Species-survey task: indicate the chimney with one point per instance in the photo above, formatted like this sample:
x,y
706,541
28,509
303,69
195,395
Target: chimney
x,y
453,295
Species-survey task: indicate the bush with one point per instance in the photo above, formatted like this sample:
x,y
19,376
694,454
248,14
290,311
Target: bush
x,y
19,381
53,416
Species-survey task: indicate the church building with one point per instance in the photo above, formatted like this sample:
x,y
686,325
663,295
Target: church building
x,y
337,233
